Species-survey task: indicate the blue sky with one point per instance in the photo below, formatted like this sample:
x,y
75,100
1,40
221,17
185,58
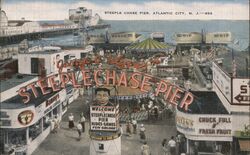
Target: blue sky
x,y
58,9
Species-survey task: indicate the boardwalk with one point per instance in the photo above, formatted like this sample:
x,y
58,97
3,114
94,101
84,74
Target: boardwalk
x,y
65,141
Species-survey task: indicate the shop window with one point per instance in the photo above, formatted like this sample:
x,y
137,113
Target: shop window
x,y
66,58
34,65
205,146
11,138
17,137
56,111
35,130
83,55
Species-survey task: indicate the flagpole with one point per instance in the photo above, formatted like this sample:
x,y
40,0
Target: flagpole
x,y
233,64
247,67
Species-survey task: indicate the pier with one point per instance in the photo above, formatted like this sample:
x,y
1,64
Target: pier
x,y
17,38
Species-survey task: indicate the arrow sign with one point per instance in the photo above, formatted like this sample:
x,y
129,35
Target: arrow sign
x,y
241,98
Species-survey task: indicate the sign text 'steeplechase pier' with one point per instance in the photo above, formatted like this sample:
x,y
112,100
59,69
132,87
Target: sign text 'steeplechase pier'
x,y
173,94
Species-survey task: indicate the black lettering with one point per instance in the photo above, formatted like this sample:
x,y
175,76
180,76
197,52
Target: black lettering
x,y
243,89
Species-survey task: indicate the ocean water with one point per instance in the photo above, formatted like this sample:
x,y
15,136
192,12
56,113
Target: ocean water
x,y
239,29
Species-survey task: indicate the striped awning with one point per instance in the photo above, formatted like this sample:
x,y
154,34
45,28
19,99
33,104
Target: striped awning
x,y
148,45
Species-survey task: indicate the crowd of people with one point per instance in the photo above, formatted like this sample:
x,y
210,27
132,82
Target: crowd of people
x,y
174,146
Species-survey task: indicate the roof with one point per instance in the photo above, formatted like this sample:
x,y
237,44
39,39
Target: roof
x,y
18,22
16,101
205,102
148,45
43,52
16,80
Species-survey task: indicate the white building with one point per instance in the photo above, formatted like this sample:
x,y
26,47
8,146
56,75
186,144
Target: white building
x,y
18,27
219,38
188,38
39,61
24,126
83,16
218,120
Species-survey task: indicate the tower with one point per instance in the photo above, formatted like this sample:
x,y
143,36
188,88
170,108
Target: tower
x,y
105,133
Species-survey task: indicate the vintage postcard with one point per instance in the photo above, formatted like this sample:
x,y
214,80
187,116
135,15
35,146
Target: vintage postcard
x,y
124,77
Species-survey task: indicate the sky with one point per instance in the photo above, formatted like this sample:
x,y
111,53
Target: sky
x,y
129,9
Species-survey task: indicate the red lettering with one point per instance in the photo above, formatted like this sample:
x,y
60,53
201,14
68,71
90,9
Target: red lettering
x,y
110,77
145,82
167,94
96,74
33,88
54,84
123,79
161,89
22,92
59,65
64,77
176,96
43,85
133,79
187,100
86,78
73,80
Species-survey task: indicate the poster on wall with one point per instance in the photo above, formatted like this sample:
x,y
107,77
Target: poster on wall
x,y
149,61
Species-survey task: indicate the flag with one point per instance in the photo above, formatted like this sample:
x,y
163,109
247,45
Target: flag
x,y
236,42
233,65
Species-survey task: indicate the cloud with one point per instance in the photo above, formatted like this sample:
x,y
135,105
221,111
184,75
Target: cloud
x,y
144,11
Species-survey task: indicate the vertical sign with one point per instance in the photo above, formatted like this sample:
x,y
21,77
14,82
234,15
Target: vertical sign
x,y
222,81
104,118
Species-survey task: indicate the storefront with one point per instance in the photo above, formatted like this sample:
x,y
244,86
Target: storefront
x,y
25,126
206,126
234,94
205,133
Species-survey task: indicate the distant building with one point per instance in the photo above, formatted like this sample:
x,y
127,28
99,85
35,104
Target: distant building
x,y
218,38
83,16
188,38
20,27
3,19
158,36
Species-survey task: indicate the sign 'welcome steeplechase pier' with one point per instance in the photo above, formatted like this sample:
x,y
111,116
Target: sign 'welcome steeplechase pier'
x,y
104,118
173,94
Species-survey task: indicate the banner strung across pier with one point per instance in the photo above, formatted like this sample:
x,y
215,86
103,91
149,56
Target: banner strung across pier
x,y
137,80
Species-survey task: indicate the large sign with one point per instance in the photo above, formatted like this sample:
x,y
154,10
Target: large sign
x,y
241,91
18,118
172,93
222,81
25,117
217,125
204,125
104,118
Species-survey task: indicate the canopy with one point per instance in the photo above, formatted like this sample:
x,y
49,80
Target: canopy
x,y
148,45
